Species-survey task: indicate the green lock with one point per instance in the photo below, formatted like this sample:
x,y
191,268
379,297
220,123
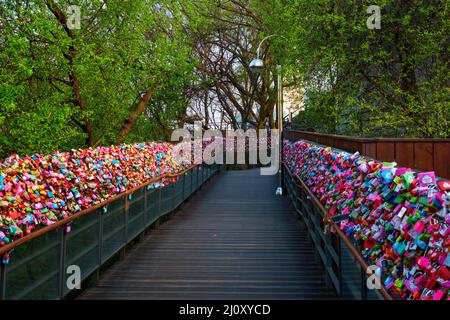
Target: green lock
x,y
417,215
407,178
424,237
388,226
399,284
424,201
411,220
397,180
398,200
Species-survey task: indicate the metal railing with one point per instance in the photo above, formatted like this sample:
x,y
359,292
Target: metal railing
x,y
343,264
38,266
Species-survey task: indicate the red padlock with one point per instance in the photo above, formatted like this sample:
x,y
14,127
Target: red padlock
x,y
444,185
431,283
444,273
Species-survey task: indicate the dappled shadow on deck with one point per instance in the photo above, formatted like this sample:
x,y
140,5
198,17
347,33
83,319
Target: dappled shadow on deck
x,y
233,240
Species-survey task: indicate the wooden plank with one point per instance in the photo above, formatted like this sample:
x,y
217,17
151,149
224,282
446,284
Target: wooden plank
x,y
404,154
369,149
423,156
385,151
441,159
235,239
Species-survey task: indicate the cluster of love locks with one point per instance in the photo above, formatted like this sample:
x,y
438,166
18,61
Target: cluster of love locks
x,y
397,217
39,190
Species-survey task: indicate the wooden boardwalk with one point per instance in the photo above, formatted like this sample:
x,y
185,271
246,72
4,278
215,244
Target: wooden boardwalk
x,y
233,240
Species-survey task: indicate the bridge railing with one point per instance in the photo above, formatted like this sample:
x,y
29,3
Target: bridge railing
x,y
345,268
41,266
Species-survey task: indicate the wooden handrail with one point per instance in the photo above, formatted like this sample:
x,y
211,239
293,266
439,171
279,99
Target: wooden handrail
x,y
368,140
62,222
353,250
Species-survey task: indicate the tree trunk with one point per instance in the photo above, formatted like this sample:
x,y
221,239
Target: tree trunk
x,y
87,126
140,107
206,110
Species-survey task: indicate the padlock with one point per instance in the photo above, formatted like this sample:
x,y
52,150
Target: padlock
x,y
5,260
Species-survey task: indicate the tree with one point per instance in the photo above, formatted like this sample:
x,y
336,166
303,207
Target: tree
x,y
225,48
387,82
67,88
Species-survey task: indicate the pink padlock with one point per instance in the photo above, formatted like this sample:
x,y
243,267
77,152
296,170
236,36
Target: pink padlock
x,y
438,295
423,262
419,226
426,178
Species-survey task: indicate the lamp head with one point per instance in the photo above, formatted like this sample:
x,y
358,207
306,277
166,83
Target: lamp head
x,y
257,66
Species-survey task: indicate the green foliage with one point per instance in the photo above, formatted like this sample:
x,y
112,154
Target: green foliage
x,y
387,82
122,49
63,89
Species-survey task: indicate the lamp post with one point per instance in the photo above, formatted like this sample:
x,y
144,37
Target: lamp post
x,y
257,66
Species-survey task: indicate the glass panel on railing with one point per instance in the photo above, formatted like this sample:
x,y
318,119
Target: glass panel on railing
x,y
351,285
166,199
136,213
113,226
33,270
179,190
152,205
82,245
187,184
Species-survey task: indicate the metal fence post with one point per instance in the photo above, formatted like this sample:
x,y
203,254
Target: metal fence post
x,y
328,261
174,194
127,208
100,236
192,178
2,281
159,202
340,267
62,253
363,284
122,251
184,184
140,237
145,208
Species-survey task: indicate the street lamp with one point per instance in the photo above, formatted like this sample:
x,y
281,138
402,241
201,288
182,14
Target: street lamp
x,y
257,66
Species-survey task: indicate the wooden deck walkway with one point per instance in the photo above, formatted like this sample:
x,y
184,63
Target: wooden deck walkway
x,y
233,240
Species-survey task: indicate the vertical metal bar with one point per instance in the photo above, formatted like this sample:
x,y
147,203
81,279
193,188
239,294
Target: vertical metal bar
x,y
144,214
363,284
62,253
328,260
191,178
202,172
174,195
184,189
2,281
127,208
159,202
100,238
122,251
340,267
317,240
194,185
280,123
